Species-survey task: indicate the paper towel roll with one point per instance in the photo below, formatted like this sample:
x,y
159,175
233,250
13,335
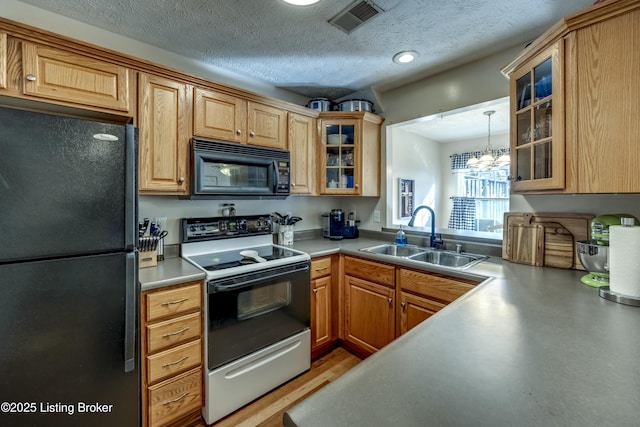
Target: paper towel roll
x,y
624,260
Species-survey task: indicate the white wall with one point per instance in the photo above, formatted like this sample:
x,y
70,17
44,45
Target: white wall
x,y
413,157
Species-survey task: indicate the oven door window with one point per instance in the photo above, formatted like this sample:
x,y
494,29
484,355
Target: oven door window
x,y
245,319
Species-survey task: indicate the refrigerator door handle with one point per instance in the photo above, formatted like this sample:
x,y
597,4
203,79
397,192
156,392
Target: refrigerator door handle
x,y
131,292
131,193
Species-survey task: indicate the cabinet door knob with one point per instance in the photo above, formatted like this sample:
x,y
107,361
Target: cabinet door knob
x,y
356,186
403,304
293,184
30,77
238,132
252,134
315,290
390,300
181,179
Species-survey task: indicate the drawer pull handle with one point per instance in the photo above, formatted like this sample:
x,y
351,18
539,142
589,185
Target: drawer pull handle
x,y
170,334
177,399
321,269
166,365
178,301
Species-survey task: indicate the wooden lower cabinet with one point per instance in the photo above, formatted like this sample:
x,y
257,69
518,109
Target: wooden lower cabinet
x,y
368,305
176,398
172,354
323,332
369,317
414,310
380,302
422,294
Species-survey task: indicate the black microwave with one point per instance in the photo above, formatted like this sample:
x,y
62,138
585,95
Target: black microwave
x,y
240,171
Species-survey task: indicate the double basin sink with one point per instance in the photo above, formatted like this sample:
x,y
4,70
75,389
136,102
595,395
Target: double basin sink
x,y
434,256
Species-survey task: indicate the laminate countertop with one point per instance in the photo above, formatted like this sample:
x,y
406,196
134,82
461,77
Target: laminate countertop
x,y
529,346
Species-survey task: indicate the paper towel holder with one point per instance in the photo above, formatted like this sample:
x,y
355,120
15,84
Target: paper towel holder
x,y
608,294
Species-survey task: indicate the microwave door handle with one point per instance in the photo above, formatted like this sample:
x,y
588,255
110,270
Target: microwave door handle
x,y
276,176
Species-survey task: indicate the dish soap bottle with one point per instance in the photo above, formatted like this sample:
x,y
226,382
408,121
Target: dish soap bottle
x,y
401,238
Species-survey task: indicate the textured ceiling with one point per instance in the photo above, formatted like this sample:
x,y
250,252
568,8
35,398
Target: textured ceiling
x,y
294,47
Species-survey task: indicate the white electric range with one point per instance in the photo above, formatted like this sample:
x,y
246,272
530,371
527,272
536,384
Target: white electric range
x,y
257,309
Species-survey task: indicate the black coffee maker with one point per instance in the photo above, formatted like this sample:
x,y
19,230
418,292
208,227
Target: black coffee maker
x,y
336,224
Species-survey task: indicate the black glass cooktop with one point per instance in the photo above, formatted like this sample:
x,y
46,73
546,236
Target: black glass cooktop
x,y
221,260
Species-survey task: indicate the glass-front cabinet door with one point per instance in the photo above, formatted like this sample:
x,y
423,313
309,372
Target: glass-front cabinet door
x,y
537,124
340,145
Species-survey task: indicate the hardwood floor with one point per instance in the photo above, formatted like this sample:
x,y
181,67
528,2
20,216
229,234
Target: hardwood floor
x,y
267,411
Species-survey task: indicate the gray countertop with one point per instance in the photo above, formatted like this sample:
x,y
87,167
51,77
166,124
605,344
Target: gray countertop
x,y
531,346
171,271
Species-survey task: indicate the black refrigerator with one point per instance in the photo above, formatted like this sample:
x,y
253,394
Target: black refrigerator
x,y
68,272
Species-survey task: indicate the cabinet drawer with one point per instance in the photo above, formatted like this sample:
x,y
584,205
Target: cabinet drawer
x,y
174,399
173,361
320,267
172,332
372,271
429,285
175,301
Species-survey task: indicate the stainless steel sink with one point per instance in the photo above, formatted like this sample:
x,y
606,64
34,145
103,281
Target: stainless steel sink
x,y
395,250
448,258
432,256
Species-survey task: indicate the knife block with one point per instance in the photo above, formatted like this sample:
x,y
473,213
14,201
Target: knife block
x,y
148,259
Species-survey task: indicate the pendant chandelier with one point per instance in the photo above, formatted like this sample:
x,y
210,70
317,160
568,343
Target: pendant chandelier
x,y
487,161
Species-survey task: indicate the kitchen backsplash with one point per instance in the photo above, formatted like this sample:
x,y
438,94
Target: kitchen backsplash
x,y
308,208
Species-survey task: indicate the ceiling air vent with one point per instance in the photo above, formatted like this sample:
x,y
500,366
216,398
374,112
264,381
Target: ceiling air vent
x,y
354,15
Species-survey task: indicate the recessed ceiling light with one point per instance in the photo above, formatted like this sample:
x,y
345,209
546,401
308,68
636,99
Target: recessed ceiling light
x,y
302,2
405,56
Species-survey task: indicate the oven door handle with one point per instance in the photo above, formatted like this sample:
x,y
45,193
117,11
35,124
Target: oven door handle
x,y
213,287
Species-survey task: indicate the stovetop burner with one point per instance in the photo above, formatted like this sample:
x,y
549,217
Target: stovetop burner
x,y
221,260
214,245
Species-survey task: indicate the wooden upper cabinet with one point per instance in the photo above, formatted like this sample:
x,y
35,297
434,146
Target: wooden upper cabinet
x,y
221,116
607,105
267,126
164,119
578,134
63,76
349,153
537,122
301,144
3,60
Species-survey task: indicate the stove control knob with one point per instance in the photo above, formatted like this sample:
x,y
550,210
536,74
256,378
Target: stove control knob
x,y
242,225
192,228
202,228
